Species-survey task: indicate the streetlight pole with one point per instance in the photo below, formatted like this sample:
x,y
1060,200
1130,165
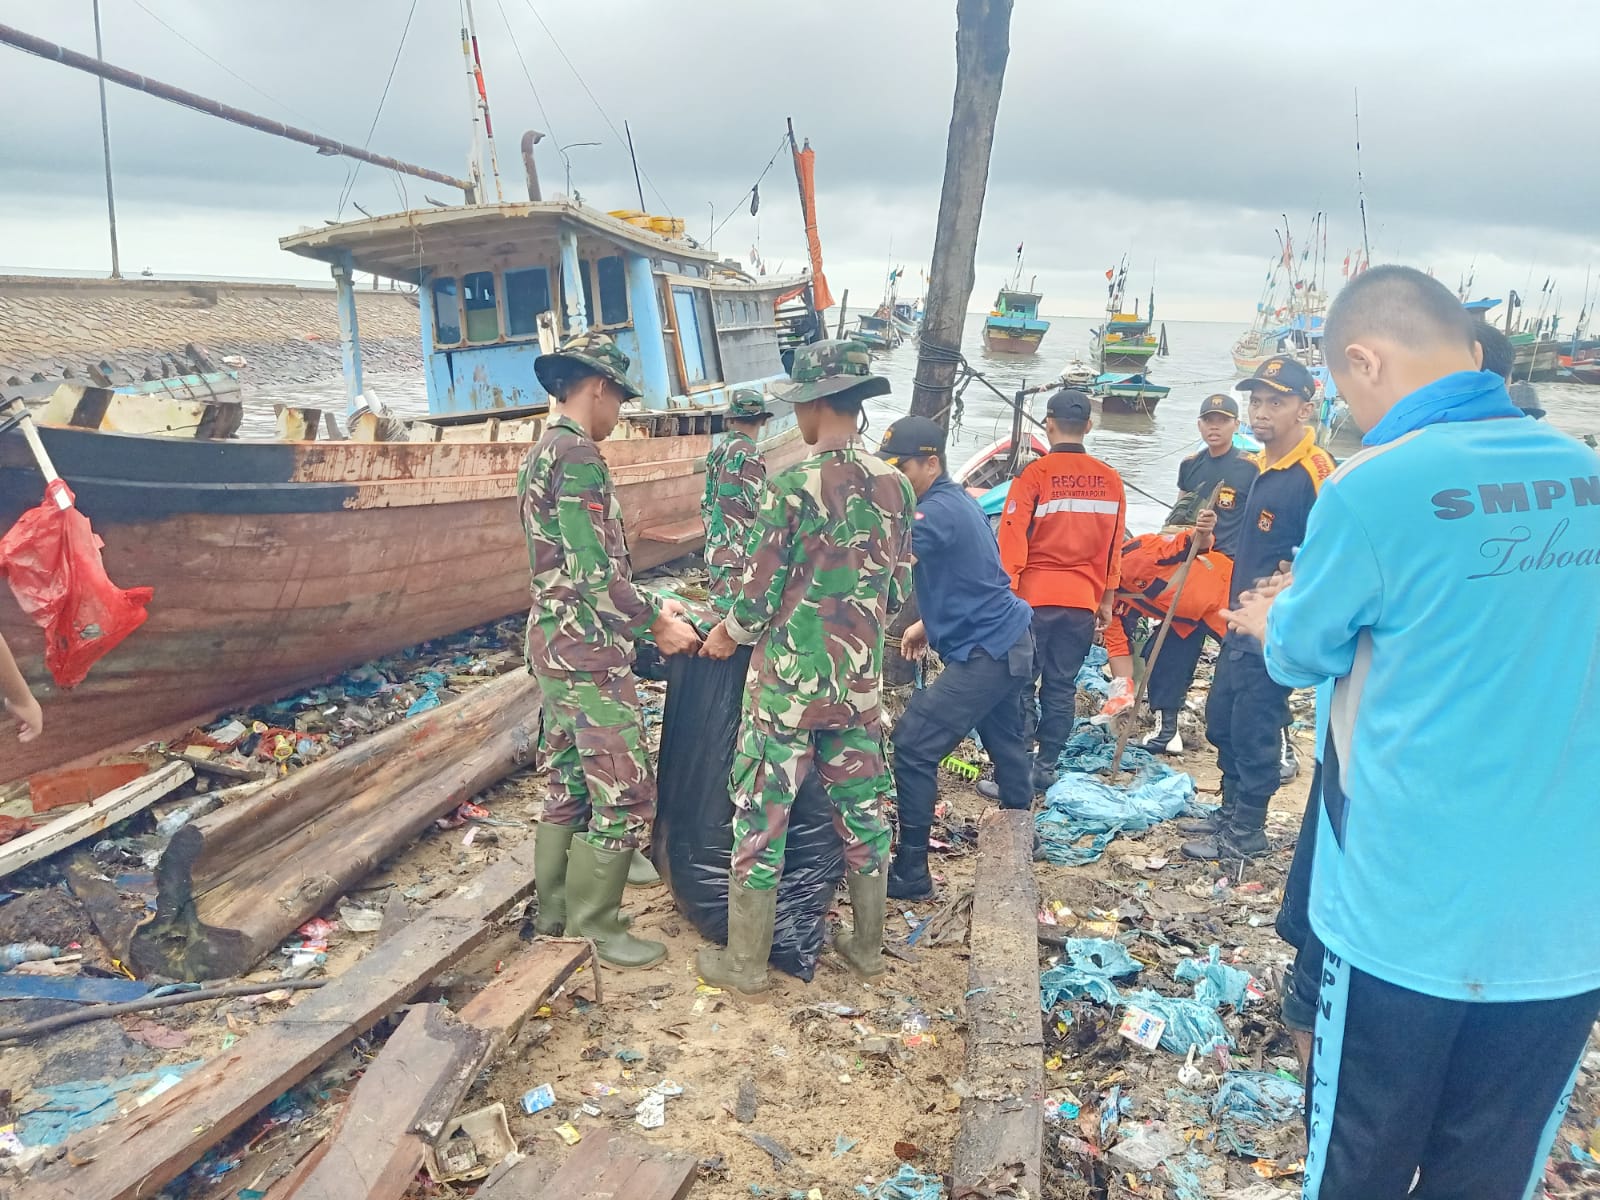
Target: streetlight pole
x,y
105,140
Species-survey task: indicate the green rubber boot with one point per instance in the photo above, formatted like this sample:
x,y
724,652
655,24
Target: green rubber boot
x,y
641,871
862,947
550,846
595,879
743,965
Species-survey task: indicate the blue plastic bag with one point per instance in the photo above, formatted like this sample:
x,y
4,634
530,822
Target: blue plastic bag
x,y
1255,1099
1215,982
1189,1022
1091,964
1082,805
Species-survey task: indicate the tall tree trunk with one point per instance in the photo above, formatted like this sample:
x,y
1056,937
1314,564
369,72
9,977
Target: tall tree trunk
x,y
983,36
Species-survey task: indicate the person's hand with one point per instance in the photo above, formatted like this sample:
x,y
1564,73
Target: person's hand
x,y
914,641
719,644
1102,616
1275,583
30,719
671,606
1251,615
673,634
1205,529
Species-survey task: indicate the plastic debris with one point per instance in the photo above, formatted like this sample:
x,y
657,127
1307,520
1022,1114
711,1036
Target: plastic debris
x,y
651,1112
1253,1099
423,703
843,1145
568,1133
777,1150
1188,1022
1080,805
21,952
538,1099
1142,1028
67,1108
1092,675
907,1183
1215,982
1145,1147
360,919
1092,963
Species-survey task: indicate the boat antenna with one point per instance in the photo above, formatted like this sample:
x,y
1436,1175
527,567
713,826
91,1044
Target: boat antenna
x,y
1361,186
105,141
634,159
474,79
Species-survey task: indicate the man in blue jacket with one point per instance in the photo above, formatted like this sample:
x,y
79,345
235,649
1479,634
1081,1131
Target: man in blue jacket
x,y
1455,878
982,631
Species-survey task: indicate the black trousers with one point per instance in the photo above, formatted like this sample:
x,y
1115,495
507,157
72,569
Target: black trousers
x,y
1470,1094
1294,921
982,693
1245,716
1062,637
1173,673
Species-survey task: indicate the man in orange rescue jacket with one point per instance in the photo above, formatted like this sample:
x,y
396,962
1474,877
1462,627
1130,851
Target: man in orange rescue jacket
x,y
1061,544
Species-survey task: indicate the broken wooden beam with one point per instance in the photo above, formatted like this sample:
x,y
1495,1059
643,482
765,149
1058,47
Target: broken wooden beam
x,y
232,884
93,818
1001,1133
135,1156
605,1166
414,1086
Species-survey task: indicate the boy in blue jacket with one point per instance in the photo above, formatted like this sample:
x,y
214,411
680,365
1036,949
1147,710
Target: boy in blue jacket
x,y
1454,881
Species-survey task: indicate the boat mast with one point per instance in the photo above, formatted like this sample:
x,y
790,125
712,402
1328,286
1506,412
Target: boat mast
x,y
478,102
10,36
105,141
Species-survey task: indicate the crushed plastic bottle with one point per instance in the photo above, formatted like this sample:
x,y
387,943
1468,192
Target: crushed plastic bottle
x,y
21,952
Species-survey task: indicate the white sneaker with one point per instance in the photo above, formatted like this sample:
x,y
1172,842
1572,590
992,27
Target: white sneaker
x,y
1288,759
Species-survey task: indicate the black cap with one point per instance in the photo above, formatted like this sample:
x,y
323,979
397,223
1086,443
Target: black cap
x,y
911,437
1282,374
1220,403
1068,404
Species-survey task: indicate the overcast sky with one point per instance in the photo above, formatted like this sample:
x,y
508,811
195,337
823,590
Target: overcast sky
x,y
1177,132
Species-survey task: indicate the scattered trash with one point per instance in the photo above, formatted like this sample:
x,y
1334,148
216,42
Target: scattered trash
x,y
360,919
651,1112
779,1152
744,1105
1187,1022
1142,1028
1144,1147
1082,806
21,952
538,1099
67,1108
569,1134
469,1146
907,1183
1258,1100
843,1145
156,1036
1215,982
1092,963
629,1056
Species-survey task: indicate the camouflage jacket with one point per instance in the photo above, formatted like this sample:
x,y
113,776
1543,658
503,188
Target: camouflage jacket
x,y
736,477
830,559
586,611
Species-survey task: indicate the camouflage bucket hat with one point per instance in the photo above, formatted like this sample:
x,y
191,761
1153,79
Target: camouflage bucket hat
x,y
830,367
748,404
590,351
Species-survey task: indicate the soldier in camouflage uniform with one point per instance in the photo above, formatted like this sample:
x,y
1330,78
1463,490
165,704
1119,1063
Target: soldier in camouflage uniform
x,y
736,478
585,618
831,557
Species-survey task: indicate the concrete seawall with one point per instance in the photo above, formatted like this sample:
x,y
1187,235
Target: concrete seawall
x,y
288,334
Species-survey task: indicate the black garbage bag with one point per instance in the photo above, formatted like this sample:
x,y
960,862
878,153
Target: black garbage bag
x,y
693,839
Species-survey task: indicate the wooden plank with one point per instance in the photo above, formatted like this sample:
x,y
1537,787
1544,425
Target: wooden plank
x,y
417,1082
605,1166
1001,1130
114,806
134,1157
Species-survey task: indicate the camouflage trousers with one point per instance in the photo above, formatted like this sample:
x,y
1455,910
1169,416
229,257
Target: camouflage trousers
x,y
599,771
768,767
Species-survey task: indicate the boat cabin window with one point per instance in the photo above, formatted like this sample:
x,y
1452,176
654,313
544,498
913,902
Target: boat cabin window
x,y
446,313
697,335
613,281
483,318
527,295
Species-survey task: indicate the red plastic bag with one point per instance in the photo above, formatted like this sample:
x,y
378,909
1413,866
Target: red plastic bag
x,y
51,558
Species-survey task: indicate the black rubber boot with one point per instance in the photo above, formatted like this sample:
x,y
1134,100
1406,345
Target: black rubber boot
x,y
908,873
1166,739
1245,834
1203,827
988,789
1044,769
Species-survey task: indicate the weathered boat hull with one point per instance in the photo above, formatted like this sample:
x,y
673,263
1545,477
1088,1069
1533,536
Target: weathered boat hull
x,y
999,340
278,564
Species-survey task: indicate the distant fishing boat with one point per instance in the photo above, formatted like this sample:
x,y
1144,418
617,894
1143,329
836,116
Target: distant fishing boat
x,y
1128,393
1124,342
907,317
1291,308
877,331
1013,325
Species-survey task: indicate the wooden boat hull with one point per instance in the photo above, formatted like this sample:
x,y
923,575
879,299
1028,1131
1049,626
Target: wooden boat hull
x,y
1131,361
276,565
998,340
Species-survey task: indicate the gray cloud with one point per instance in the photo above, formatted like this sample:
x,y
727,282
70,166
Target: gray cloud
x,y
1180,138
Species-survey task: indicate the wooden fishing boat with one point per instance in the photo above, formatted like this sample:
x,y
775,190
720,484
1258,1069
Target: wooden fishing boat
x,y
1014,326
1124,393
276,564
993,465
877,331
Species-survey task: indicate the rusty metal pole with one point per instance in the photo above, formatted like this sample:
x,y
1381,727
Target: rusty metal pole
x,y
10,36
105,141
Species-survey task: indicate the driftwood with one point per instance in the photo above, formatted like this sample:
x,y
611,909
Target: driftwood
x,y
139,1154
93,818
416,1083
605,1166
1001,1134
233,883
